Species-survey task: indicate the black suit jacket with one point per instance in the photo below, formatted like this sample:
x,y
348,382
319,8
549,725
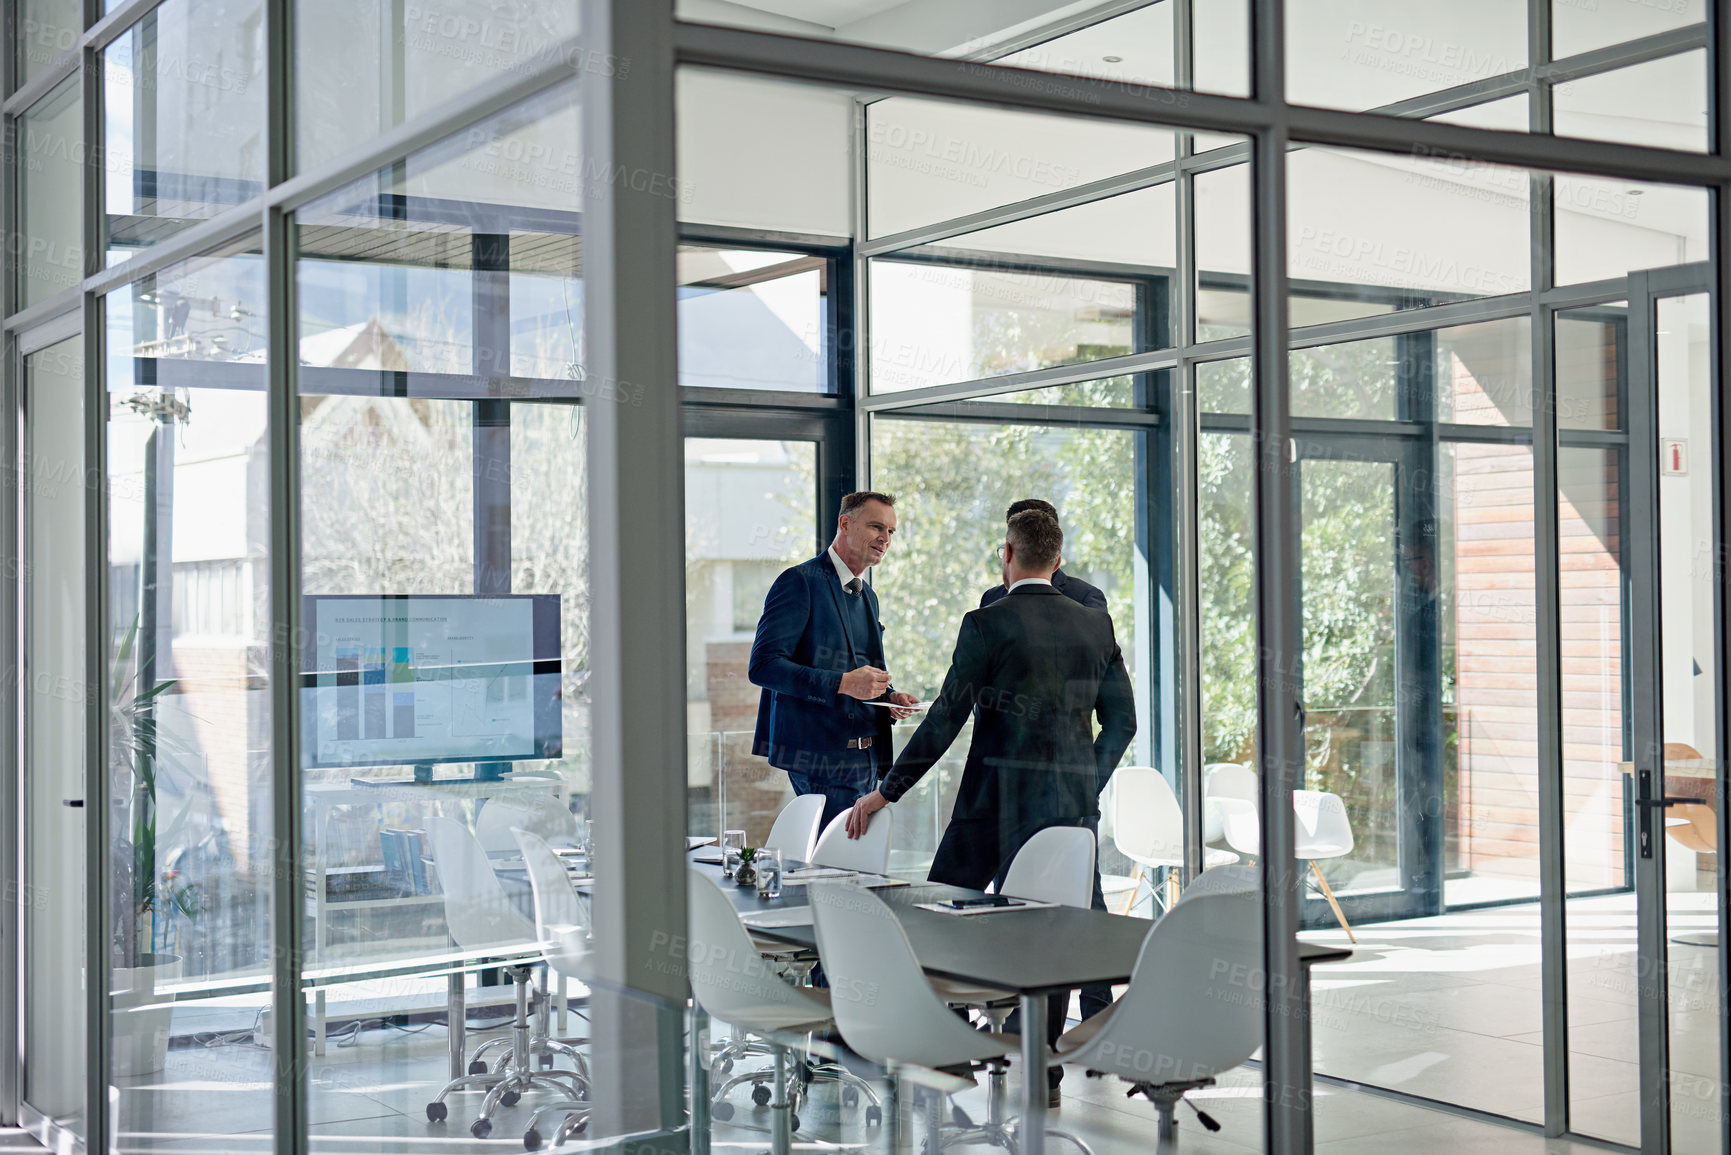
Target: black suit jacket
x,y
803,647
1039,668
1073,588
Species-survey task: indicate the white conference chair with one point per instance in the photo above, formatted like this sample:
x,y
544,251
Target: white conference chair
x,y
482,920
1223,880
796,827
734,984
1148,827
870,852
1321,824
542,814
1192,1009
892,1015
564,937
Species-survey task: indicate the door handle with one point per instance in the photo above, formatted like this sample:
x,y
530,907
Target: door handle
x,y
74,803
1661,803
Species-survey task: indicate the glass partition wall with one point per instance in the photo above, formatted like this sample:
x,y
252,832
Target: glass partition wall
x,y
1395,451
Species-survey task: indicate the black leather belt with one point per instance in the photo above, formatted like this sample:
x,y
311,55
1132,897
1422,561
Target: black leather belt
x,y
859,743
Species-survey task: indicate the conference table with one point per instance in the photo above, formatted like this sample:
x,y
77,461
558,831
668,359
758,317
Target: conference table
x,y
1036,954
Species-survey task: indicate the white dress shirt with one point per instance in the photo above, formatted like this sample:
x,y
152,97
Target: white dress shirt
x,y
1029,582
841,570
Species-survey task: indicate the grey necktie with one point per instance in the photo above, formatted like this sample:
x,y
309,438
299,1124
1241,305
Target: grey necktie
x,y
853,587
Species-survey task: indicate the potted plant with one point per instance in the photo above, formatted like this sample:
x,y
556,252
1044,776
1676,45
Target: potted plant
x,y
746,875
146,897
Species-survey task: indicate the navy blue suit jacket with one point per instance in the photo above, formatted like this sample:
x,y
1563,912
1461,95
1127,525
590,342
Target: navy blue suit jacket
x,y
1073,588
803,647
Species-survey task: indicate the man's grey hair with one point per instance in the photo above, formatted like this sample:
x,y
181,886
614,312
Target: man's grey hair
x,y
852,503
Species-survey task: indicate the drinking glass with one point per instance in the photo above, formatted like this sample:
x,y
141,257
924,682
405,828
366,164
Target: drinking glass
x,y
768,864
732,842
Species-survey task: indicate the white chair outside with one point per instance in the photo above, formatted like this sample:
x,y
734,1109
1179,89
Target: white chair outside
x,y
891,1015
1322,826
1113,886
796,827
482,920
563,932
734,984
1191,1011
1239,879
870,852
1148,826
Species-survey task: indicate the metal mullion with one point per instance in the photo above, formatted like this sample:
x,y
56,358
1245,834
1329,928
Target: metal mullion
x,y
1097,190
1011,262
1420,320
1014,413
191,242
859,66
44,82
805,404
818,244
1646,680
859,209
50,332
100,31
1287,1124
1719,133
1184,440
289,1114
66,301
1547,562
1646,49
1019,382
1075,22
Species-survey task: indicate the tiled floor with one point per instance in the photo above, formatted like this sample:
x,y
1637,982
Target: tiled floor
x,y
1447,1008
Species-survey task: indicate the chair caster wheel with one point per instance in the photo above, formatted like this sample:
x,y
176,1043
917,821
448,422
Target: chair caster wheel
x,y
478,1067
531,1140
725,1067
722,1110
509,1098
760,1095
874,1116
481,1128
792,1122
850,1098
436,1112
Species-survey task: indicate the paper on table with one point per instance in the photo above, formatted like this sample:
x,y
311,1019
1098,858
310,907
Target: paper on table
x,y
782,916
863,878
1020,904
916,707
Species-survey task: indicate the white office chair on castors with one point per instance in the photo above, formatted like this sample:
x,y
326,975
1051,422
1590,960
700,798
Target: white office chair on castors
x,y
730,981
481,921
864,948
564,936
1191,1011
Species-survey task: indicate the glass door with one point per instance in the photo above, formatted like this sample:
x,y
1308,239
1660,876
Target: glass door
x,y
1371,846
1678,766
51,897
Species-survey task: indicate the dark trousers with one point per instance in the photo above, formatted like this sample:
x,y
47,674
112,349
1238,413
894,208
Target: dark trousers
x,y
838,799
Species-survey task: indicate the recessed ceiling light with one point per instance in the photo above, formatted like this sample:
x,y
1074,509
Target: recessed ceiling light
x,y
1637,192
1113,59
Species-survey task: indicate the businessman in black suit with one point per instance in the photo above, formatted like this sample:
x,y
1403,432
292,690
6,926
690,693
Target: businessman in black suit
x,y
819,657
1095,997
1071,587
1038,668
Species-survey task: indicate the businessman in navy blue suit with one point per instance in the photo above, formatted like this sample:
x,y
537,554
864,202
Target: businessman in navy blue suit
x,y
1073,588
819,656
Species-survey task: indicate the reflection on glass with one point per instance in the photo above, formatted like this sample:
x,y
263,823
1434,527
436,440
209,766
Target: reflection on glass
x,y
1135,228
750,510
47,30
1226,535
54,894
1221,38
953,482
183,120
1135,48
753,319
1604,1094
1662,103
933,324
460,267
1590,351
1347,55
1605,228
50,178
1222,252
189,700
1481,374
1577,28
1410,229
930,161
363,69
1694,861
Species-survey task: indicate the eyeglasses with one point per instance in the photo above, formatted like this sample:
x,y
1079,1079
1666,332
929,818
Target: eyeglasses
x,y
999,554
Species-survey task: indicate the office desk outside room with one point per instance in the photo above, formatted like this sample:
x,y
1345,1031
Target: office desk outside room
x,y
1034,954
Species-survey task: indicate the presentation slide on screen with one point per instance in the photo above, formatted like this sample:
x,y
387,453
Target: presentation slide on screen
x,y
406,680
